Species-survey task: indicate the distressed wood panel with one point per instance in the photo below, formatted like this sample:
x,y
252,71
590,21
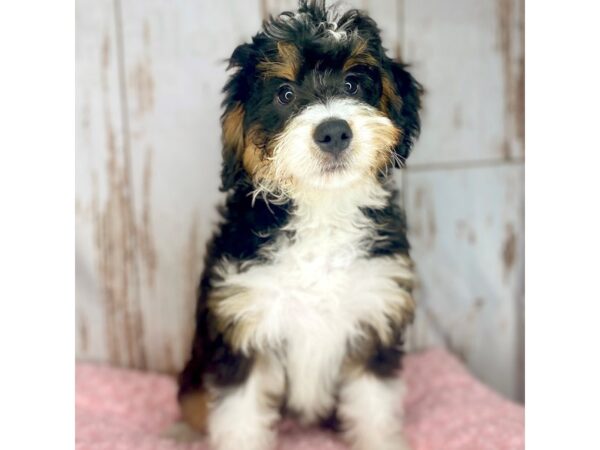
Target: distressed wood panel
x,y
148,163
466,230
469,56
107,305
174,55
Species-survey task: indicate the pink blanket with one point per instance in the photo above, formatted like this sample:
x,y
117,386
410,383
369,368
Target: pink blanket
x,y
446,409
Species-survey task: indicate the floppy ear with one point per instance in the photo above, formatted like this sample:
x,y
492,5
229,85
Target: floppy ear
x,y
232,121
401,99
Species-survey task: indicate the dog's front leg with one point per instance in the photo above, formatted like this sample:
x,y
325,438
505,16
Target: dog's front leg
x,y
244,417
371,411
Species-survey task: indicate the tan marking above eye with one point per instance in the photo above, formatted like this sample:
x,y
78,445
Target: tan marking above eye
x,y
287,66
360,56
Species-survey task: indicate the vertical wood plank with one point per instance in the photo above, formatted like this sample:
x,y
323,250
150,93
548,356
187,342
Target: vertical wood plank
x,y
466,230
107,305
469,56
149,76
174,66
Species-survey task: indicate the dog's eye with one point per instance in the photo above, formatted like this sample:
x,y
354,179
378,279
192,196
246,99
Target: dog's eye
x,y
285,94
351,85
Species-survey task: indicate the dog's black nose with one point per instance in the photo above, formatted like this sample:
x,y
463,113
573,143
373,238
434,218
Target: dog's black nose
x,y
333,136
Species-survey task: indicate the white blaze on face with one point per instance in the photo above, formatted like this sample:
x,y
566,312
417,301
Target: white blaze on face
x,y
298,163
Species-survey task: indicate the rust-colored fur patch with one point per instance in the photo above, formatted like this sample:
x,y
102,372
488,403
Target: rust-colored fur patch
x,y
246,147
388,94
233,130
385,136
194,409
252,158
287,66
360,56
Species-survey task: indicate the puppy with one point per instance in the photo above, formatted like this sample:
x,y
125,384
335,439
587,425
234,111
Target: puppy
x,y
306,290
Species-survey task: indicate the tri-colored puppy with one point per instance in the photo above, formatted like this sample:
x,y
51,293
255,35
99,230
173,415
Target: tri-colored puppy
x,y
306,290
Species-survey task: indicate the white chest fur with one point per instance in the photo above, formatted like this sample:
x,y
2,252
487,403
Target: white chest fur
x,y
313,297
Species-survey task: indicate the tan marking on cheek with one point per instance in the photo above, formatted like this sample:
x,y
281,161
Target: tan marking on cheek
x,y
233,130
360,57
286,67
256,155
252,159
385,136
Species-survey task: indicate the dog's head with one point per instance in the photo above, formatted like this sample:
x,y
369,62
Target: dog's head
x,y
314,102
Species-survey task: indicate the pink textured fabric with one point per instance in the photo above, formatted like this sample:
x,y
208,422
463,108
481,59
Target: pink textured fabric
x,y
446,409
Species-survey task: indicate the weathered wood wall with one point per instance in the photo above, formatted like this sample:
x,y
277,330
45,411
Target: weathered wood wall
x,y
149,75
